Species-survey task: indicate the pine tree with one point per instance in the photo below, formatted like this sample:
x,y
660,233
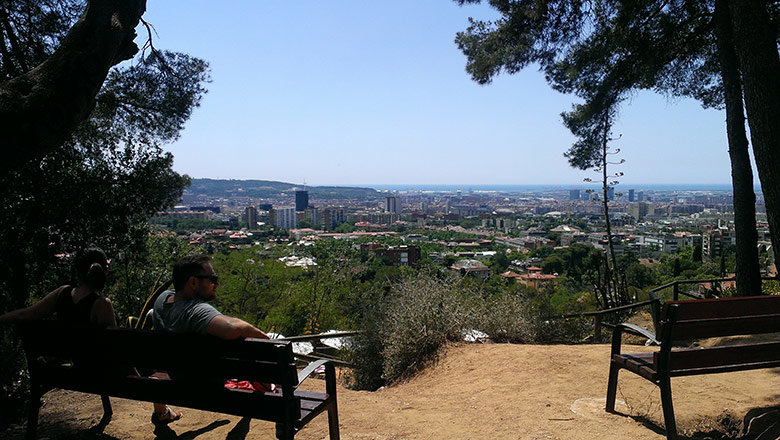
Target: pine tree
x,y
604,51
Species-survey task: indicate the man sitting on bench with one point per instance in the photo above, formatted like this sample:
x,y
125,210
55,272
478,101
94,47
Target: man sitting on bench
x,y
185,310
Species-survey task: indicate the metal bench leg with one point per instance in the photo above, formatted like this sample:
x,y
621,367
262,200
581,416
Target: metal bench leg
x,y
282,433
333,411
107,411
333,421
614,369
666,404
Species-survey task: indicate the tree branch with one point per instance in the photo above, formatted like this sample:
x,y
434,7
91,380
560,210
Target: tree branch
x,y
40,109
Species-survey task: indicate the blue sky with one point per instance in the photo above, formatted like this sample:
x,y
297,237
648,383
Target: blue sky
x,y
365,92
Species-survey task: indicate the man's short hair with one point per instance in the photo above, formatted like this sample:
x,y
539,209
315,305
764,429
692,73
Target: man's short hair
x,y
187,267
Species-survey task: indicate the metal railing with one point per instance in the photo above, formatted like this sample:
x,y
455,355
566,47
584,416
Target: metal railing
x,y
319,336
320,350
598,315
675,285
654,302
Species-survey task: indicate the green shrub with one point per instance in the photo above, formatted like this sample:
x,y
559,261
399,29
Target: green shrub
x,y
416,316
366,353
558,331
420,315
506,318
771,287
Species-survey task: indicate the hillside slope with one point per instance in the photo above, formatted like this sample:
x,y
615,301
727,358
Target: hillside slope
x,y
492,391
230,188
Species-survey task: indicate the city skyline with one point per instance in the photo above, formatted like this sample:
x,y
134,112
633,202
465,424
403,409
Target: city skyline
x,y
356,94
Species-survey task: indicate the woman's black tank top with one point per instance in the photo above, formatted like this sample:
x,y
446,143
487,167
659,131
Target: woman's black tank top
x,y
76,313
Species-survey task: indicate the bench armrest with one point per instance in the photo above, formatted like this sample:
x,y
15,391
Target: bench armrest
x,y
640,331
617,335
310,369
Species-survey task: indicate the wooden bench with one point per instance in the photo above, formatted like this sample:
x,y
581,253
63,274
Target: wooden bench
x,y
698,319
102,362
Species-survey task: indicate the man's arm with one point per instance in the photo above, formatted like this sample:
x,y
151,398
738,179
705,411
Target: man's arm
x,y
228,327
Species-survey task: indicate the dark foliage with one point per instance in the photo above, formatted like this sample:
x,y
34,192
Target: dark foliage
x,y
31,30
104,183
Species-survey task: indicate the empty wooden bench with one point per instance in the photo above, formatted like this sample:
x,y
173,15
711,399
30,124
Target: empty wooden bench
x,y
698,319
103,361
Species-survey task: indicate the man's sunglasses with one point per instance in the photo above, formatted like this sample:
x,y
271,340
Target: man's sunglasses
x,y
214,278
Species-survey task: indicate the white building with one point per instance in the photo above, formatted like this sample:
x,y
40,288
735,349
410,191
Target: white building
x,y
284,217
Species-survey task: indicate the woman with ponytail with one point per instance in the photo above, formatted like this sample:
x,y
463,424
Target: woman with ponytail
x,y
80,304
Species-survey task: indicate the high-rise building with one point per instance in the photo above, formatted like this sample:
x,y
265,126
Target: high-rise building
x,y
392,205
250,217
283,217
301,200
715,239
332,217
640,210
312,215
574,194
611,193
631,195
640,196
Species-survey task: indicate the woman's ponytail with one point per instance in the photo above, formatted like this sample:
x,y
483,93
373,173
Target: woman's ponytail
x,y
96,276
91,266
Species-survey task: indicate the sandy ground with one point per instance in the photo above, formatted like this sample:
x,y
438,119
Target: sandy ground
x,y
490,391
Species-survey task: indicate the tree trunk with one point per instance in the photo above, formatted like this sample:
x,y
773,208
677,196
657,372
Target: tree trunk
x,y
40,109
617,294
759,63
748,271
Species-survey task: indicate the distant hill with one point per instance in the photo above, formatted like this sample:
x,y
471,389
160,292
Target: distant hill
x,y
270,189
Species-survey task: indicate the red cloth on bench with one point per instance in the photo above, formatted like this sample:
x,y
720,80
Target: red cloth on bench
x,y
251,386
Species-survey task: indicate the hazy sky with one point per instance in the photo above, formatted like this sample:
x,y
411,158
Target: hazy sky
x,y
368,92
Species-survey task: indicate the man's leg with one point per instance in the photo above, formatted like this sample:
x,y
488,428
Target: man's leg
x,y
162,413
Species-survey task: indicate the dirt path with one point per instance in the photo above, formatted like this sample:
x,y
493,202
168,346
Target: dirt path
x,y
493,391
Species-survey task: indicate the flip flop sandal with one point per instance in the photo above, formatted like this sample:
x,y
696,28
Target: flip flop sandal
x,y
172,417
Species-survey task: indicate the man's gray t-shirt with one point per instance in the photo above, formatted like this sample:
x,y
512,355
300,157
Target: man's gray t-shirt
x,y
183,316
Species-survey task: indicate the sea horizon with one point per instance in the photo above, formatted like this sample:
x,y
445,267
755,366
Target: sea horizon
x,y
507,188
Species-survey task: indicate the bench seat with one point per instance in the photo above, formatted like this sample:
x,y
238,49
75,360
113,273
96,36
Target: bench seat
x,y
639,363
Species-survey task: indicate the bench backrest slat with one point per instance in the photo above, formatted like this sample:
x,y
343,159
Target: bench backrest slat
x,y
727,307
710,328
721,356
722,317
202,357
